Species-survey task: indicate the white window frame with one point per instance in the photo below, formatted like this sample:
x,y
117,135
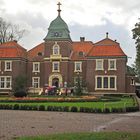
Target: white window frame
x,y
54,46
109,64
102,88
38,64
33,82
97,63
6,66
75,66
132,82
58,63
5,82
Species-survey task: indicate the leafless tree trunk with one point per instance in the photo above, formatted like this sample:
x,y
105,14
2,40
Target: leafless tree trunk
x,y
9,32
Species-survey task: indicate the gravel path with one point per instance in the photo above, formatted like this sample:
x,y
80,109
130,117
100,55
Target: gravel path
x,y
14,124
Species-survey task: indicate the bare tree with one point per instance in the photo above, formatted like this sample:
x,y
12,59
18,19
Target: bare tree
x,y
9,32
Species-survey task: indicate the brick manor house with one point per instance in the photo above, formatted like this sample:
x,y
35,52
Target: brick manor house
x,y
58,60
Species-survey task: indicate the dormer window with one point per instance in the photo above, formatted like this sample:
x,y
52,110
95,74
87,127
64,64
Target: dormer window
x,y
81,54
40,54
56,49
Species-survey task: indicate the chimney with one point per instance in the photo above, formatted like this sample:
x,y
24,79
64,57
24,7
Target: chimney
x,y
82,39
15,41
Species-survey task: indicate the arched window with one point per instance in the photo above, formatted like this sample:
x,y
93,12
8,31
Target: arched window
x,y
56,49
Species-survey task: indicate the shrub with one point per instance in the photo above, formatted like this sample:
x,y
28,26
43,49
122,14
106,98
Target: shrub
x,y
98,110
114,110
24,107
50,108
66,109
6,106
20,94
16,107
74,109
41,108
132,109
34,108
118,110
106,110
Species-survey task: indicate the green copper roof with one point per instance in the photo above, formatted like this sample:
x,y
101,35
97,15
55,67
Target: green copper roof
x,y
58,23
58,30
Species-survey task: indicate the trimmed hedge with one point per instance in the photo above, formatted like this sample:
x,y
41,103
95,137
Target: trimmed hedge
x,y
67,109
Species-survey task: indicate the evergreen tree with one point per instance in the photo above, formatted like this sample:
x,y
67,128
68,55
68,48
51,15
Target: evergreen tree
x,y
136,36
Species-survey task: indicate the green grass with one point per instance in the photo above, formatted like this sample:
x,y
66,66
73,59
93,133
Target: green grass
x,y
88,136
127,102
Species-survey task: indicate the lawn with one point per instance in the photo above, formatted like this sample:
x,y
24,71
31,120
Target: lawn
x,y
88,136
124,102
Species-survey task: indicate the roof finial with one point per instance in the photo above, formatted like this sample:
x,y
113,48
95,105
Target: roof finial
x,y
59,10
107,34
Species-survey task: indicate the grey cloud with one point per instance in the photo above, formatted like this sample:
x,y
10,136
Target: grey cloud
x,y
124,4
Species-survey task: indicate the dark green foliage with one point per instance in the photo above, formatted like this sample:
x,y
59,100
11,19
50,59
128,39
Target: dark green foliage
x,y
98,110
34,107
86,110
74,109
66,109
50,108
16,107
24,107
106,110
136,36
41,108
132,109
20,86
20,93
6,106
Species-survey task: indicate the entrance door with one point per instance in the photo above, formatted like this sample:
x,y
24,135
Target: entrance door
x,y
55,82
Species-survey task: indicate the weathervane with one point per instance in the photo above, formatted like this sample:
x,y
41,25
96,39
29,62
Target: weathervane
x,y
59,10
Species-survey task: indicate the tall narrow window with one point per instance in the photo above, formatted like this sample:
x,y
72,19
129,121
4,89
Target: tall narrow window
x,y
112,64
132,82
36,67
99,82
112,82
56,49
105,82
56,67
36,82
99,64
8,65
78,67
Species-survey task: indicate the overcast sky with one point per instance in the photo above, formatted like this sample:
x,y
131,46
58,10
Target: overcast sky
x,y
89,18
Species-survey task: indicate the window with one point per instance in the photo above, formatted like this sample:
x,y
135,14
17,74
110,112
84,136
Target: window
x,y
5,82
56,49
56,67
112,64
99,64
36,82
78,67
0,65
8,65
105,83
36,67
132,82
78,78
99,82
